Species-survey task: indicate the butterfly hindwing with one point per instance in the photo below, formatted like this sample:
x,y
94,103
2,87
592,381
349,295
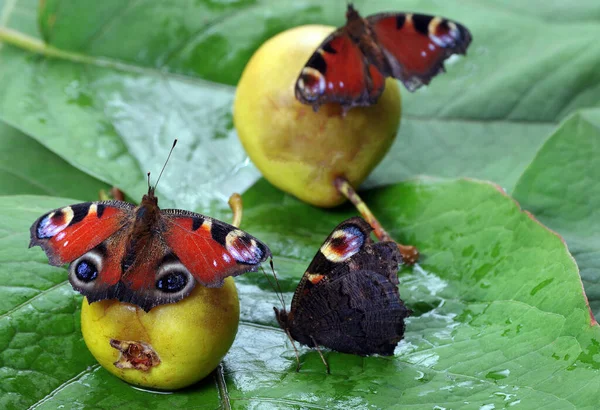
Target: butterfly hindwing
x,y
359,313
338,72
348,298
416,45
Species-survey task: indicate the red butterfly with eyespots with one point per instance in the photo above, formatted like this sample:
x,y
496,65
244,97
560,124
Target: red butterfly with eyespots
x,y
142,254
351,65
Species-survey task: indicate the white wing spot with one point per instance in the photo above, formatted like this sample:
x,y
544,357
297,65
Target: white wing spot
x,y
93,209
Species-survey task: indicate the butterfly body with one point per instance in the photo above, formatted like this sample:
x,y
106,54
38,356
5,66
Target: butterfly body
x,y
143,255
351,65
348,299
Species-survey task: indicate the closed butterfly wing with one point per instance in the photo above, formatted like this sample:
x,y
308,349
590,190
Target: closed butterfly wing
x,y
359,312
348,298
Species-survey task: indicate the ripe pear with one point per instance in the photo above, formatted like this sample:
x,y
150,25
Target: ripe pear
x,y
171,346
298,150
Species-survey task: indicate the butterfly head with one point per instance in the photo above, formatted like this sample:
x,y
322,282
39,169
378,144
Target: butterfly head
x,y
149,199
351,13
283,318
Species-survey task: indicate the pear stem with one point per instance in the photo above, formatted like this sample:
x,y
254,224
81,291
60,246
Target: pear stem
x,y
410,254
236,205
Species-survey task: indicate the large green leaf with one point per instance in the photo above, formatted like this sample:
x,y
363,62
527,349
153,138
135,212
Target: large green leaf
x,y
490,113
500,317
27,167
561,186
113,89
117,121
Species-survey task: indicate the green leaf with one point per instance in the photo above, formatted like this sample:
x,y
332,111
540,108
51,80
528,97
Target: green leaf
x,y
500,317
485,118
27,167
487,329
561,188
115,121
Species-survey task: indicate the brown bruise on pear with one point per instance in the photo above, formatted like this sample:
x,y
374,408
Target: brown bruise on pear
x,y
298,150
189,337
135,355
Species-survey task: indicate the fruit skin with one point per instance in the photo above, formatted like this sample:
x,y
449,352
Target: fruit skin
x,y
190,336
300,151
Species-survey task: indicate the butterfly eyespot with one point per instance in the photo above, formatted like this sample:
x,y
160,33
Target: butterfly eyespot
x,y
54,223
311,84
173,277
172,282
86,269
243,248
343,243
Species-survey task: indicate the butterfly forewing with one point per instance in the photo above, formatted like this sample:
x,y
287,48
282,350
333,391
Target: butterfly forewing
x,y
210,249
347,299
416,45
67,233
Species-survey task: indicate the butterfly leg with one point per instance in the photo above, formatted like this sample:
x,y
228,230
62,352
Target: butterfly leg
x,y
321,354
410,254
287,332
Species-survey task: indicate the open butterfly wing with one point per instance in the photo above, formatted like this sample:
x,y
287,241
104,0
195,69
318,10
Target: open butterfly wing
x,y
339,72
67,233
210,249
416,45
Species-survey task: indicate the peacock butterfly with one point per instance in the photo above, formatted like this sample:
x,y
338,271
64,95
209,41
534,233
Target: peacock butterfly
x,y
348,298
350,66
143,254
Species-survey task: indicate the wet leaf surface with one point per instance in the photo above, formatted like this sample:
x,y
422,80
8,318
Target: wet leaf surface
x,y
500,317
487,327
561,187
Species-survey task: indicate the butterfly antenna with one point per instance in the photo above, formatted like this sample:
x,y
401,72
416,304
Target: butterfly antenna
x,y
149,187
164,166
277,282
277,289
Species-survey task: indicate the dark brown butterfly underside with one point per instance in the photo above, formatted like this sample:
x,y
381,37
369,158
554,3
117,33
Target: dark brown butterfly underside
x,y
348,298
